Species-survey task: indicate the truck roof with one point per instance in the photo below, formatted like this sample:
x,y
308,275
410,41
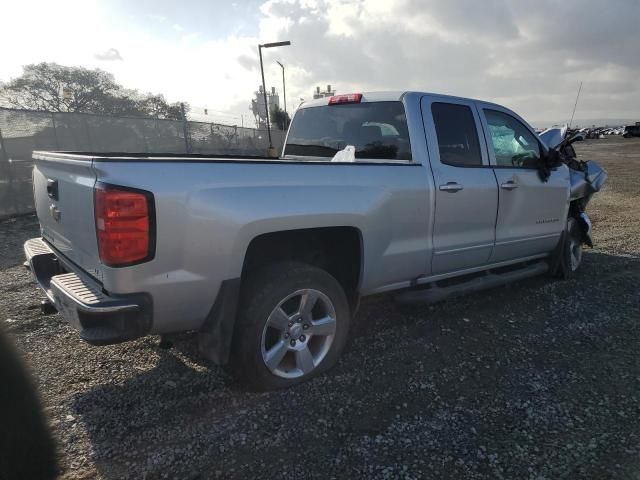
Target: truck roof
x,y
389,96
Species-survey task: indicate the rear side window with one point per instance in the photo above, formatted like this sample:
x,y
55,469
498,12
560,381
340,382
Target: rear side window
x,y
457,135
377,130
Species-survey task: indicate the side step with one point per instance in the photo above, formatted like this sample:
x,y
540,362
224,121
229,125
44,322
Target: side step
x,y
434,293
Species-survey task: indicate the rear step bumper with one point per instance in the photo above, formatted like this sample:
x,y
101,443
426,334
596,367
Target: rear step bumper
x,y
100,318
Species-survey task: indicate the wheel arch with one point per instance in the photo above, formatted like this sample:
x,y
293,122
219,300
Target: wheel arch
x,y
339,250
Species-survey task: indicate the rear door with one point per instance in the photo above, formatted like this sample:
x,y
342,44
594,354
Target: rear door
x,y
531,213
63,190
466,188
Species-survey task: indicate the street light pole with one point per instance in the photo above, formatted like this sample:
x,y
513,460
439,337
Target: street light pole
x,y
264,92
264,87
284,87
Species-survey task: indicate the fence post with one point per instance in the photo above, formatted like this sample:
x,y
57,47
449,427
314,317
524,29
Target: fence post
x,y
55,133
144,137
86,127
184,129
4,158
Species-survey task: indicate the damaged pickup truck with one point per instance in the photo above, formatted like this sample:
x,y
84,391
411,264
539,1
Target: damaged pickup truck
x,y
267,259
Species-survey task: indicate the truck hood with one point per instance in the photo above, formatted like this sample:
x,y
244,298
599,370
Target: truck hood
x,y
552,137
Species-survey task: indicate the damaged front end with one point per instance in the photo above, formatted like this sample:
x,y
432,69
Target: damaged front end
x,y
586,177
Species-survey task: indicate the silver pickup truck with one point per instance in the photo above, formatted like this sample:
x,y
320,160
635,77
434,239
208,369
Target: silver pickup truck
x,y
266,259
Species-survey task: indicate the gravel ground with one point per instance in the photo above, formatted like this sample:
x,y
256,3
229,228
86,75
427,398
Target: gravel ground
x,y
536,380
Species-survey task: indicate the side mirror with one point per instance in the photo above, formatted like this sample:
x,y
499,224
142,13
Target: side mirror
x,y
548,161
551,158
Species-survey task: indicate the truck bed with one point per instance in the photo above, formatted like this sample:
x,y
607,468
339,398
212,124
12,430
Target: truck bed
x,y
208,209
141,155
197,158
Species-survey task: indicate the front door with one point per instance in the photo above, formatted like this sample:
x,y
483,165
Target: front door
x,y
466,190
532,213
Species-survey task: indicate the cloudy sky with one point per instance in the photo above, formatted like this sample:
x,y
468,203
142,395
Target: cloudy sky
x,y
525,56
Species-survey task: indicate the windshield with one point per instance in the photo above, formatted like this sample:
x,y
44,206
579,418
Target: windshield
x,y
377,130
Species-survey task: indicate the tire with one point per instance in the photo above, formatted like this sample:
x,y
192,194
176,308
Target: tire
x,y
277,341
571,256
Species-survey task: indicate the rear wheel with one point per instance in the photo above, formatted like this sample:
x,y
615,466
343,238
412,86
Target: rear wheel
x,y
292,325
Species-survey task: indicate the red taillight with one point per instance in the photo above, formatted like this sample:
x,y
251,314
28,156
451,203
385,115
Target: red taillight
x,y
348,98
123,225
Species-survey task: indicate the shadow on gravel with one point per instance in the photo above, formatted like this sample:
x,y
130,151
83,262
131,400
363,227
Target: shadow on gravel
x,y
159,400
537,377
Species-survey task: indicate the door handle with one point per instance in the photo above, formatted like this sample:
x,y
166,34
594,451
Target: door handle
x,y
510,185
52,188
452,187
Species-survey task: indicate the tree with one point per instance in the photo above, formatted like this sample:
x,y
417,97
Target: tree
x,y
157,106
58,88
279,117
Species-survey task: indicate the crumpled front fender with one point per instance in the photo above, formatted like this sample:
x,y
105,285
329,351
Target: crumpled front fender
x,y
584,183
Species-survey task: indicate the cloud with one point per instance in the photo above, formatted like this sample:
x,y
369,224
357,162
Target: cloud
x,y
528,57
109,55
247,62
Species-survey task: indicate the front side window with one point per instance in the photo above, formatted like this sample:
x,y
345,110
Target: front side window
x,y
457,135
377,130
514,145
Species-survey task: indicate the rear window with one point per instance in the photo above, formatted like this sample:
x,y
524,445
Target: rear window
x,y
377,130
457,135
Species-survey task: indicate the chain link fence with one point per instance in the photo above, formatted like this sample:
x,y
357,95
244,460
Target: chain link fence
x,y
23,131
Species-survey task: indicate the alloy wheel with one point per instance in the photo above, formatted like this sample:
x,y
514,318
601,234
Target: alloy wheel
x,y
298,333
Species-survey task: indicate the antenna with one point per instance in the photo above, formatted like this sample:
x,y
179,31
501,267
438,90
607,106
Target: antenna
x,y
574,107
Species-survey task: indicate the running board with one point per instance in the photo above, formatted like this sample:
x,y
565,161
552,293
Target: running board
x,y
434,293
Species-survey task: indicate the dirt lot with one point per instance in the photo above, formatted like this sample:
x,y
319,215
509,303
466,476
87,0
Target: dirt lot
x,y
537,380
